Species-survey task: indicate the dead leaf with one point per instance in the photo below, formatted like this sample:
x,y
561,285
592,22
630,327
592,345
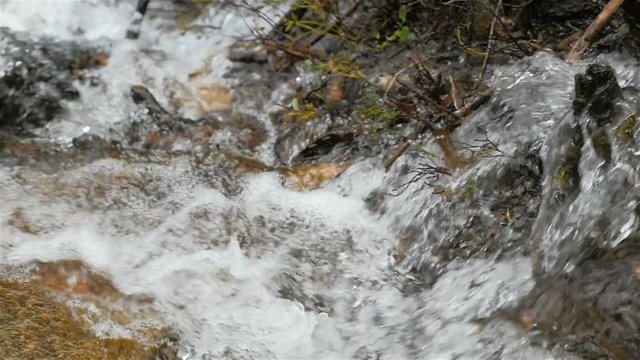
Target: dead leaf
x,y
334,90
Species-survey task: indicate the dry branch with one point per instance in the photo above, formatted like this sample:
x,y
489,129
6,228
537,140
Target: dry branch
x,y
424,126
450,153
592,31
485,62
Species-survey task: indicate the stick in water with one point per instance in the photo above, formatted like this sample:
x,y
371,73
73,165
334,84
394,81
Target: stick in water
x,y
134,29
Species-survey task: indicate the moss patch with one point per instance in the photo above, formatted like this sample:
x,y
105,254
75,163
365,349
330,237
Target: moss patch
x,y
34,326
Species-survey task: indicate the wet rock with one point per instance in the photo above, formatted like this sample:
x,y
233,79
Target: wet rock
x,y
143,97
364,353
314,143
292,288
258,56
248,130
558,20
632,15
313,176
155,128
596,92
223,169
199,97
52,157
37,77
485,216
97,147
594,310
583,175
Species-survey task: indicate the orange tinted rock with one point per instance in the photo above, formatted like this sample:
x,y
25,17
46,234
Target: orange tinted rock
x,y
215,98
313,176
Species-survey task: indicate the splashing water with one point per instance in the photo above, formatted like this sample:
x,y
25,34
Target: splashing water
x,y
276,273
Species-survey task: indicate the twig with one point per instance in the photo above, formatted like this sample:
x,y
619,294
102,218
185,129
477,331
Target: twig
x,y
455,94
485,62
468,108
335,23
295,12
450,153
425,126
425,172
417,131
592,31
134,28
508,36
484,146
429,100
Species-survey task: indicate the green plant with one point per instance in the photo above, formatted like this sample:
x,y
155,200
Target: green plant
x,y
381,118
402,34
627,129
302,112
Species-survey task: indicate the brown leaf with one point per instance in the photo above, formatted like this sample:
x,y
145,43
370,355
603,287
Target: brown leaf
x,y
334,90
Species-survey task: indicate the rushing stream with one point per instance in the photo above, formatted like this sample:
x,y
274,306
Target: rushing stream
x,y
245,266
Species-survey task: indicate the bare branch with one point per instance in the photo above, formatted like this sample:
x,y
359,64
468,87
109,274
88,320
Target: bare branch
x,y
592,31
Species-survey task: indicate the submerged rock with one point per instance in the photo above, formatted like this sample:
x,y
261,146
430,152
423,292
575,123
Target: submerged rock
x,y
591,185
487,214
594,311
37,76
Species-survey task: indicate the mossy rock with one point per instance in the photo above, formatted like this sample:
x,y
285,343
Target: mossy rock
x,y
34,326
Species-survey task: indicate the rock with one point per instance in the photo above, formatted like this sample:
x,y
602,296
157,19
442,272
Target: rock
x,y
222,169
249,131
313,176
158,129
583,174
595,309
37,77
199,97
486,215
258,56
596,92
314,143
35,326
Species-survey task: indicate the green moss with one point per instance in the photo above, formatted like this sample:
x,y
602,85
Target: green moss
x,y
446,192
564,176
601,144
568,175
627,129
302,113
468,192
379,117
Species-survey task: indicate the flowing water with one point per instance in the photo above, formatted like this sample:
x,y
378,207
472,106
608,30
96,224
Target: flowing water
x,y
272,272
